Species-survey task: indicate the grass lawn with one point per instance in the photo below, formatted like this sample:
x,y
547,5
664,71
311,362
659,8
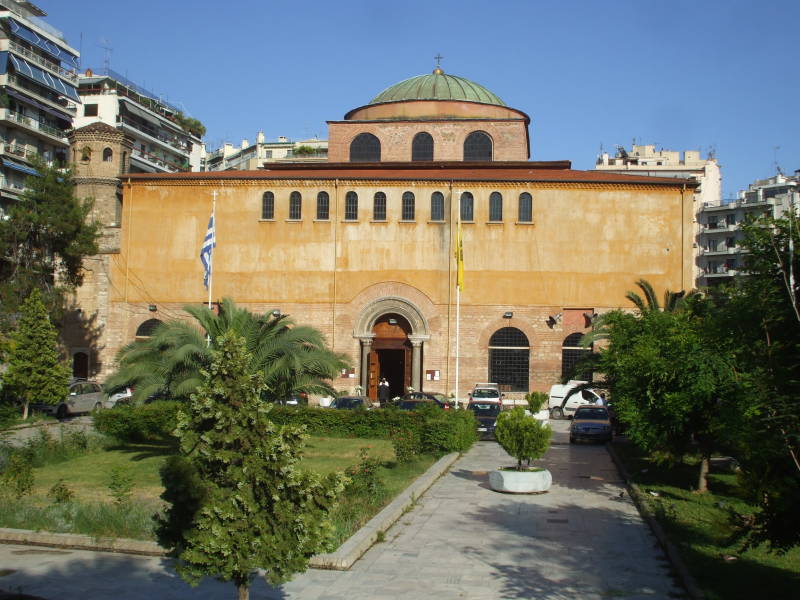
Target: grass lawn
x,y
88,476
699,526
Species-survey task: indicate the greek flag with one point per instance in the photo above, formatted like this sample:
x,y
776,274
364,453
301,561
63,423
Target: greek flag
x,y
209,243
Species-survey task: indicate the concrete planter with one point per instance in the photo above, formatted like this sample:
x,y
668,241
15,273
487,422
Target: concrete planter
x,y
520,482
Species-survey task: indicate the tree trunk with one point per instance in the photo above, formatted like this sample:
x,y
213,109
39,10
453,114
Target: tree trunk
x,y
25,411
702,481
243,591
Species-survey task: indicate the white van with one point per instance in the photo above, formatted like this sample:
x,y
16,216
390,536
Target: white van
x,y
564,399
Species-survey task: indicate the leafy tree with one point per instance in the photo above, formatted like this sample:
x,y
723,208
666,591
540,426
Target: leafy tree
x,y
238,499
35,369
292,358
43,240
758,320
522,436
190,125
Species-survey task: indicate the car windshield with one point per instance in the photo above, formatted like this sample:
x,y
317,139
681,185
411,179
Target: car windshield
x,y
488,409
346,402
597,413
485,393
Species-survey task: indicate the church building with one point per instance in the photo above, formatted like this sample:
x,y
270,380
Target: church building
x,y
363,246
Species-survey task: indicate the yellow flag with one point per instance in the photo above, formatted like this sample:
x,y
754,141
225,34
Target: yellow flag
x,y
459,259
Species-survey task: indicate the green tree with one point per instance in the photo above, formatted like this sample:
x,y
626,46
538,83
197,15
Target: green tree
x,y
292,358
238,500
522,436
35,369
758,321
44,238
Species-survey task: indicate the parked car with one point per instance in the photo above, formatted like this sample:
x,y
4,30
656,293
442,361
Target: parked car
x,y
352,402
119,398
414,400
486,414
591,423
565,399
83,397
486,392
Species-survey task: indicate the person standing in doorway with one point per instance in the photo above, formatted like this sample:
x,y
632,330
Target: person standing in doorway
x,y
384,392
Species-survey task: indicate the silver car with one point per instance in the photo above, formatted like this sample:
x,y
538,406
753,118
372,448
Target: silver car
x,y
83,397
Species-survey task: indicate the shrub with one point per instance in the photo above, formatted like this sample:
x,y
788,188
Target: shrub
x,y
17,476
536,401
60,492
44,449
523,437
364,479
144,423
405,444
121,486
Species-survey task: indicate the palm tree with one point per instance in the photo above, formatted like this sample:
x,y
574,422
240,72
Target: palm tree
x,y
672,300
293,358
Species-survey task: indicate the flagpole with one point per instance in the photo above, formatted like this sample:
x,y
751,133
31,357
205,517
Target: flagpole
x,y
211,256
459,284
458,331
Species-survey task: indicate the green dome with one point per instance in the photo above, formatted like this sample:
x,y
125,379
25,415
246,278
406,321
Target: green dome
x,y
437,86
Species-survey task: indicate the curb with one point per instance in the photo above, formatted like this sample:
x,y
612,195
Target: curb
x,y
670,550
362,540
340,560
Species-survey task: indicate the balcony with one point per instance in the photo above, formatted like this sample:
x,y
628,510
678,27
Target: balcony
x,y
16,150
42,62
154,134
52,133
158,162
719,227
30,88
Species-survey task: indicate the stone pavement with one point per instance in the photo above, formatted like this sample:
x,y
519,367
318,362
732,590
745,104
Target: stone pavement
x,y
582,540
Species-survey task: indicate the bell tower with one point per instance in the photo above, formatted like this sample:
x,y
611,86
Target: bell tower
x,y
100,154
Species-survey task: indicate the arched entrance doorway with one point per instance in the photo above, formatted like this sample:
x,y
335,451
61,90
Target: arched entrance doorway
x,y
390,355
400,330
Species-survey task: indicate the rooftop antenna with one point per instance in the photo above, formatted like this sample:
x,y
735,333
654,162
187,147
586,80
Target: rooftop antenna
x,y
105,44
775,155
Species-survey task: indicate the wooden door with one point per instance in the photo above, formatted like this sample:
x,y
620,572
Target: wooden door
x,y
373,370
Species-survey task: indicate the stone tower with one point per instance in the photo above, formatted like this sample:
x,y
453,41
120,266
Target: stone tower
x,y
100,154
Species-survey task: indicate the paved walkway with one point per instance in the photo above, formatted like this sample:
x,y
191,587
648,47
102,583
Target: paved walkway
x,y
582,540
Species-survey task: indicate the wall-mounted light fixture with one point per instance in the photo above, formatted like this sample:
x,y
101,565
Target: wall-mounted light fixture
x,y
276,313
392,321
508,315
152,308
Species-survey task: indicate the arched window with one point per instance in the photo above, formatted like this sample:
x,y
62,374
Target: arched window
x,y
571,353
80,365
379,207
351,206
365,147
509,359
437,206
422,146
408,206
268,205
495,206
107,154
323,206
478,146
525,208
295,206
147,328
467,202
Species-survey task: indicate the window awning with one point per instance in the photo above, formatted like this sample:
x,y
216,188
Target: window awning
x,y
29,35
134,109
59,86
51,111
7,162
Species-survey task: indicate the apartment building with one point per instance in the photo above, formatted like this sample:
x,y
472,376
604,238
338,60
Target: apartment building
x,y
248,157
720,251
162,143
38,94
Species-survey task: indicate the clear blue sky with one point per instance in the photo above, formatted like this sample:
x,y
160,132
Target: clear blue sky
x,y
701,75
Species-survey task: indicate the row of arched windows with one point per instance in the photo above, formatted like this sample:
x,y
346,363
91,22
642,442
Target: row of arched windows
x,y
509,359
366,147
407,209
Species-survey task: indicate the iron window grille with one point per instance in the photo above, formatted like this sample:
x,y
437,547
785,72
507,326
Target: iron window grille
x,y
571,354
478,146
351,206
295,206
323,206
422,147
408,206
509,359
467,205
379,207
268,205
437,206
495,206
525,208
365,147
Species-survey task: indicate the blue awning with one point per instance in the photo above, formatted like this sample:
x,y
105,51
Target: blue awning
x,y
3,63
50,111
7,162
29,35
59,86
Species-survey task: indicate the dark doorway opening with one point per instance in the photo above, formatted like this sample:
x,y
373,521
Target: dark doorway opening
x,y
390,355
80,365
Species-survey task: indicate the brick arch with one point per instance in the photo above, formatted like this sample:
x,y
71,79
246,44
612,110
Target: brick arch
x,y
499,323
392,304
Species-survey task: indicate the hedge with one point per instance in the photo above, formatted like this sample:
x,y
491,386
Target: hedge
x,y
438,431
